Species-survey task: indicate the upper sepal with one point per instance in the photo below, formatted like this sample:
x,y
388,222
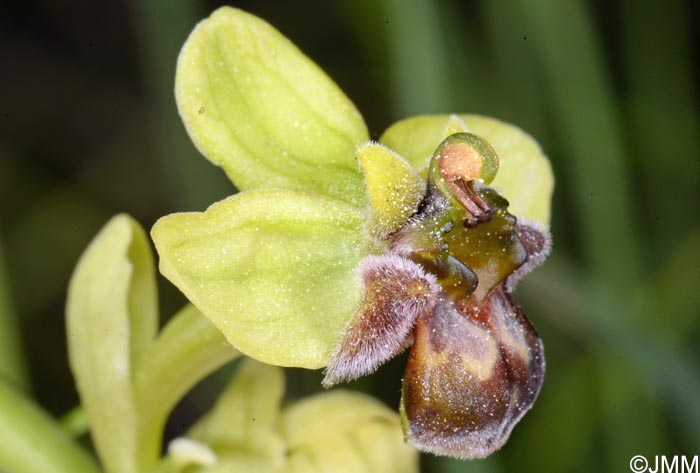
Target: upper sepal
x,y
259,108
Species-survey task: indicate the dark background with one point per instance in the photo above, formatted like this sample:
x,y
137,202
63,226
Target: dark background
x,y
88,128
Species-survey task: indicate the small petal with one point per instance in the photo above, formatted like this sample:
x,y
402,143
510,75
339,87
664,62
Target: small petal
x,y
241,428
112,318
247,411
394,189
396,292
471,376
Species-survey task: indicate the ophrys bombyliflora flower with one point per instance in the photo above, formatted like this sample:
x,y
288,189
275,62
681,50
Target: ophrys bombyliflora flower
x,y
343,252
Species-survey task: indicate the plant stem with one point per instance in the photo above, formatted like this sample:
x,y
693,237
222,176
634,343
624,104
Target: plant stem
x,y
188,349
32,442
12,364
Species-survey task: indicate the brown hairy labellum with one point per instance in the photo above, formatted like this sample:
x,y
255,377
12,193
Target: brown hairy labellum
x,y
471,375
476,364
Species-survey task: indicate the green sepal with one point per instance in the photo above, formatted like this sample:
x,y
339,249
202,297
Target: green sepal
x,y
259,108
393,187
111,319
275,270
524,175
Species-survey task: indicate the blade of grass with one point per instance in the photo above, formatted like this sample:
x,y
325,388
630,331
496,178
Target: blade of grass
x,y
634,434
663,114
192,183
12,363
674,292
665,369
565,417
32,442
418,63
515,71
469,75
584,107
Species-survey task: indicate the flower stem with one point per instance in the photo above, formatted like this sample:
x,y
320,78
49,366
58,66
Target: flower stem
x,y
32,442
12,364
187,350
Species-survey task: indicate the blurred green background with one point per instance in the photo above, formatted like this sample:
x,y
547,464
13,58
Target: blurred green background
x,y
88,128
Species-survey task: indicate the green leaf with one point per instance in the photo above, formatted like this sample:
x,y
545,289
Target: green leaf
x,y
394,189
256,106
343,431
273,269
32,442
75,421
111,319
524,176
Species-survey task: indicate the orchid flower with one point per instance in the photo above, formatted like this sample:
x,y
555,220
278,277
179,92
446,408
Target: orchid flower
x,y
341,252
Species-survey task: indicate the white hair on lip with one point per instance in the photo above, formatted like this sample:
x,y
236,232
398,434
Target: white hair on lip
x,y
397,292
537,240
